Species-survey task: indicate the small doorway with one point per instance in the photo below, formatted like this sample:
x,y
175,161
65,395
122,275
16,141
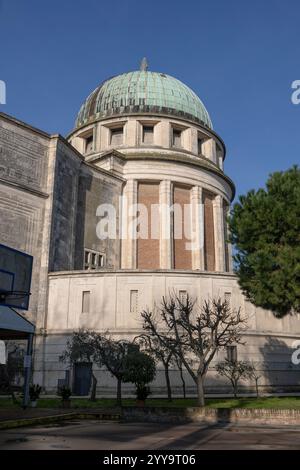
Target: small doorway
x,y
82,378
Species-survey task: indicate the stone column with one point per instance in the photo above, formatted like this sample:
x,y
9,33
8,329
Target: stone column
x,y
219,233
229,246
128,230
209,150
197,232
165,246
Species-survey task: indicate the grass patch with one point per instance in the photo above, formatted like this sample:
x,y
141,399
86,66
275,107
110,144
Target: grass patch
x,y
263,402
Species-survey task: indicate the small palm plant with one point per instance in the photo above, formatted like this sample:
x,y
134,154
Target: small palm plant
x,y
65,392
34,394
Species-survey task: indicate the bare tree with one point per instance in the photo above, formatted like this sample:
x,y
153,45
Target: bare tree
x,y
256,376
160,353
195,334
234,371
178,362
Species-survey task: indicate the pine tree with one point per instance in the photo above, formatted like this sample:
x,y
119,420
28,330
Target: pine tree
x,y
265,229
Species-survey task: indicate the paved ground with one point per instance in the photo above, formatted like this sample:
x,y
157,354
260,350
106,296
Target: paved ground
x,y
18,413
124,436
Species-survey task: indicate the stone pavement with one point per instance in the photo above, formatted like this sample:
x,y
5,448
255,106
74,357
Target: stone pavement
x,y
109,436
19,413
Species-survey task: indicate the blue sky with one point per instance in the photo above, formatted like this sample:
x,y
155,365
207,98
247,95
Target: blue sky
x,y
239,56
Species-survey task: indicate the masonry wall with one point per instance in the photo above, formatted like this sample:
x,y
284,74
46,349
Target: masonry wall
x,y
96,188
23,178
64,209
268,343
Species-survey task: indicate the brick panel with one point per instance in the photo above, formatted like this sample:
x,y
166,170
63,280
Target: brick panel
x,y
148,249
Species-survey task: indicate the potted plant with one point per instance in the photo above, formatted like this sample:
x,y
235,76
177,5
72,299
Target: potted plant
x,y
34,394
65,392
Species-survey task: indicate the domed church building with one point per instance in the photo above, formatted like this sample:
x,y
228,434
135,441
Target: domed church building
x,y
94,210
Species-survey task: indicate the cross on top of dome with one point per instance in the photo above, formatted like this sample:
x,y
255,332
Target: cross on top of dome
x,y
144,65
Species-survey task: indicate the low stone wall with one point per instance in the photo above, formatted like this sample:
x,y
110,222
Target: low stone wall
x,y
211,415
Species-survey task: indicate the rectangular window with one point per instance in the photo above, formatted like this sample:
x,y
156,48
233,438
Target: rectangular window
x,y
227,297
182,296
200,142
219,154
176,138
116,136
93,259
89,144
148,132
134,301
231,353
86,301
86,259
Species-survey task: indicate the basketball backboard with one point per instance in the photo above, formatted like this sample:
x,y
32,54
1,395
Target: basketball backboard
x,y
15,277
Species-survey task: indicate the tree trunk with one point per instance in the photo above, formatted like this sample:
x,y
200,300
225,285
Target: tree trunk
x,y
183,382
256,386
168,383
9,386
94,388
119,392
200,390
235,388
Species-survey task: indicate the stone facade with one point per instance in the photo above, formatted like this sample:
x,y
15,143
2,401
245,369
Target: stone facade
x,y
50,193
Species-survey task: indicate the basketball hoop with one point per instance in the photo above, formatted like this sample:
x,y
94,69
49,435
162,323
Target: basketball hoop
x,y
15,277
8,296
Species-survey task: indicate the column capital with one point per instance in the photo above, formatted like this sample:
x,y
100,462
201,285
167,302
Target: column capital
x,y
196,192
218,200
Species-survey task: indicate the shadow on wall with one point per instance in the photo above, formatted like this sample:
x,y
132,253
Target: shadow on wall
x,y
280,374
84,185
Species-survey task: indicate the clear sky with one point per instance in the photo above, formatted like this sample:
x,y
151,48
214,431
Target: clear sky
x,y
239,56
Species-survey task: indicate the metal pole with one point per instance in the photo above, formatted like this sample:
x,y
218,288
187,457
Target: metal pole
x,y
27,370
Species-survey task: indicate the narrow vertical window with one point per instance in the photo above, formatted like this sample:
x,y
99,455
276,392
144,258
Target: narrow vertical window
x,y
176,138
231,353
182,296
227,297
89,144
134,300
116,136
86,301
200,142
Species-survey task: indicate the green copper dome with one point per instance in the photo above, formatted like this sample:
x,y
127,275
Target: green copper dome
x,y
143,92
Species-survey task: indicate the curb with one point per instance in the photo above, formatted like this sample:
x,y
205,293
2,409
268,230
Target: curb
x,y
18,423
169,415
